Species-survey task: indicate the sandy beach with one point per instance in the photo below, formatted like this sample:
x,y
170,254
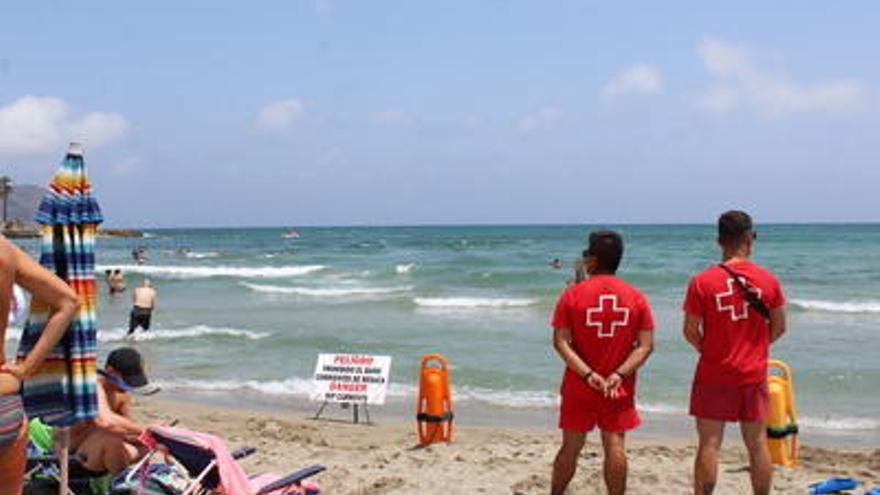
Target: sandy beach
x,y
382,459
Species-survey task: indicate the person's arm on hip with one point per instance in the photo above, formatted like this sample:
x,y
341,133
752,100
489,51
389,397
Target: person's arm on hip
x,y
48,290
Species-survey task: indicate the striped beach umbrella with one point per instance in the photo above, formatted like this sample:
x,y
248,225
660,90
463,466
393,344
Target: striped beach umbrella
x,y
63,391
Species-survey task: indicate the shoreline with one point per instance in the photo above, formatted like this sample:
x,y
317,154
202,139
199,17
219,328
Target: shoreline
x,y
381,458
676,426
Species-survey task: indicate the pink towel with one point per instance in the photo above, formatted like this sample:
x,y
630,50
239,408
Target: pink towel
x,y
233,480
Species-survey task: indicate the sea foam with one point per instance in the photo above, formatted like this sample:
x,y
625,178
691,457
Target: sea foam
x,y
290,386
198,255
513,399
197,331
403,269
173,271
837,307
839,423
325,292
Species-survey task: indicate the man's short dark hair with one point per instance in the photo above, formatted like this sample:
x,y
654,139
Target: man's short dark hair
x,y
607,247
734,227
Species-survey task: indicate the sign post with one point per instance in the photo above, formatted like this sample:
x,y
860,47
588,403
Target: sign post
x,y
351,380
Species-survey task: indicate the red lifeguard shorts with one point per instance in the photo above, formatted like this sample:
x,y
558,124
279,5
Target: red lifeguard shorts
x,y
733,403
582,410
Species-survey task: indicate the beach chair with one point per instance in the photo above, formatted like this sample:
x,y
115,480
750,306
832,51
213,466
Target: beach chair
x,y
43,470
209,468
43,474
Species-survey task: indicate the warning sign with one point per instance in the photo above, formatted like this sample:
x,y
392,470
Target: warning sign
x,y
353,378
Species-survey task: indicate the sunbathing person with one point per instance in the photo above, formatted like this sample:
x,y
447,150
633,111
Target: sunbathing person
x,y
109,443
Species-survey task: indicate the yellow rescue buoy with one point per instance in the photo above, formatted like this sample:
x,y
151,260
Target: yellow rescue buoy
x,y
434,409
782,428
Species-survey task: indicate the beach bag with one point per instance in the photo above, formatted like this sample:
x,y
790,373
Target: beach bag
x,y
155,479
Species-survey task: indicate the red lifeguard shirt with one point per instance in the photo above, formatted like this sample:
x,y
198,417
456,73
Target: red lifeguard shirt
x,y
605,315
736,338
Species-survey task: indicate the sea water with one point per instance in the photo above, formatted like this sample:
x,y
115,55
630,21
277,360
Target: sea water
x,y
243,313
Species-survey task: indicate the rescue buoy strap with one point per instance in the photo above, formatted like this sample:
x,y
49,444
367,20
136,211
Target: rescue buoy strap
x,y
431,418
773,432
750,294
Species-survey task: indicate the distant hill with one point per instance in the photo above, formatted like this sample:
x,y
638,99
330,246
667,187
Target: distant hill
x,y
23,202
22,207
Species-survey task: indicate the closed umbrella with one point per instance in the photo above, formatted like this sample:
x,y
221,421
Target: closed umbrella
x,y
62,392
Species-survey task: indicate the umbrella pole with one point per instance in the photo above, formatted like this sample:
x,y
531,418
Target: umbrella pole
x,y
62,446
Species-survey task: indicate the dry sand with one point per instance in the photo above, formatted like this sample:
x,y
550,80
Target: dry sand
x,y
382,459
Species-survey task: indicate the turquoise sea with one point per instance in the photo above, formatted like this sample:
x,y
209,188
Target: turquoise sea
x,y
243,313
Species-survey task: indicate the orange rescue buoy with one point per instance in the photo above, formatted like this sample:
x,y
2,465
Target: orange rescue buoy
x,y
782,428
434,409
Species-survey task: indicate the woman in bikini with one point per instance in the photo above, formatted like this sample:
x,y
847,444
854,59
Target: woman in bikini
x,y
17,267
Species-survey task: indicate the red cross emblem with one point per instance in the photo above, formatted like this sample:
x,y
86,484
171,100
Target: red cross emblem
x,y
607,316
733,301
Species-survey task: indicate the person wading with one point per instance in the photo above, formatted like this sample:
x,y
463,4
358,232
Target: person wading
x,y
144,299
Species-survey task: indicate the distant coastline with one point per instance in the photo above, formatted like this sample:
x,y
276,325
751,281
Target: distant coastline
x,y
32,233
23,201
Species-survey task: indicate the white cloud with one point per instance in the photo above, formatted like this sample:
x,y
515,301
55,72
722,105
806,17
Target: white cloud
x,y
278,115
545,117
739,82
37,125
638,79
390,117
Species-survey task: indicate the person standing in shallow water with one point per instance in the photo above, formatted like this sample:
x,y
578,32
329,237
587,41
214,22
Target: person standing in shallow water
x,y
115,281
17,267
603,331
144,301
733,311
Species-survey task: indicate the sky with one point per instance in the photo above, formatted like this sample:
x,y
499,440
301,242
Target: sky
x,y
331,112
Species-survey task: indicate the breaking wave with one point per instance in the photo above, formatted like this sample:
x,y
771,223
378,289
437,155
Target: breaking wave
x,y
325,292
837,307
515,399
219,271
120,334
197,255
839,424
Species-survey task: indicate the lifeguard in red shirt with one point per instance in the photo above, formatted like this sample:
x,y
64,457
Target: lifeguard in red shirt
x,y
603,330
733,312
